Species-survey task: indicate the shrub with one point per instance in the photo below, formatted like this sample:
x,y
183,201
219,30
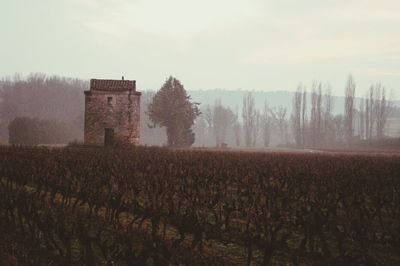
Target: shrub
x,y
32,131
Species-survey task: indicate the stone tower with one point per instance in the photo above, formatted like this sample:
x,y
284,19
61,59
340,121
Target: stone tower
x,y
112,112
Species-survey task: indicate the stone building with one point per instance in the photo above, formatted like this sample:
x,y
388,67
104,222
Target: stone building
x,y
112,112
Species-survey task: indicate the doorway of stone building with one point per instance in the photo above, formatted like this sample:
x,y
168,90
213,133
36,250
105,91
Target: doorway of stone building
x,y
108,136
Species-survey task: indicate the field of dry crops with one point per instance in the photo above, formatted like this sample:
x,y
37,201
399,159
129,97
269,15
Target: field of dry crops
x,y
153,206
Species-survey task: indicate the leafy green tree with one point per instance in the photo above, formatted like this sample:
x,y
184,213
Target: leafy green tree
x,y
172,108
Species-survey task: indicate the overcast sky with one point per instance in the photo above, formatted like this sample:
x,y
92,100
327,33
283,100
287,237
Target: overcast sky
x,y
207,44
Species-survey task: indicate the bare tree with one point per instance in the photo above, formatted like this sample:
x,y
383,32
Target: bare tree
x,y
199,129
349,110
208,117
382,110
279,116
367,117
328,127
237,128
266,125
377,109
257,128
319,114
316,114
371,110
298,117
361,115
338,122
304,117
223,118
249,118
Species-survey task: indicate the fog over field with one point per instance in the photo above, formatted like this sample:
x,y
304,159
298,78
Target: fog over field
x,y
221,119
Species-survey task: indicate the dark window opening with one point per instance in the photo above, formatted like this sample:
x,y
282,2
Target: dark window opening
x,y
109,100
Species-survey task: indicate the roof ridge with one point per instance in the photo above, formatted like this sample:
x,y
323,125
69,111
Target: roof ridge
x,y
112,84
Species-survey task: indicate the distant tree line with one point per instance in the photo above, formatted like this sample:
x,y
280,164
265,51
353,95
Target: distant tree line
x,y
33,131
311,122
39,96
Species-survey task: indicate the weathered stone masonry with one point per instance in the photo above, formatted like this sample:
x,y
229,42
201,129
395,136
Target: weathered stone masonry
x,y
112,112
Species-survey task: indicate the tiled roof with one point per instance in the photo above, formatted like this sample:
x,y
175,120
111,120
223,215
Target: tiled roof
x,y
112,84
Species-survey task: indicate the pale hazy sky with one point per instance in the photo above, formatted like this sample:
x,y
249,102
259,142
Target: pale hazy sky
x,y
229,44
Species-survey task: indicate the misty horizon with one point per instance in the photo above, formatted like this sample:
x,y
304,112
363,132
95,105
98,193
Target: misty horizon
x,y
360,93
254,45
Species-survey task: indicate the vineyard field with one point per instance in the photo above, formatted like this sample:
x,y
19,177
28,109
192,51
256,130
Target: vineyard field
x,y
82,205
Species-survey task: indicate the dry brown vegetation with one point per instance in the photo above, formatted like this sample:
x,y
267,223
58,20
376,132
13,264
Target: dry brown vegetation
x,y
136,206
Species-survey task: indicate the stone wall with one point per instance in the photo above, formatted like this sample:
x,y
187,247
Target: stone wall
x,y
121,112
